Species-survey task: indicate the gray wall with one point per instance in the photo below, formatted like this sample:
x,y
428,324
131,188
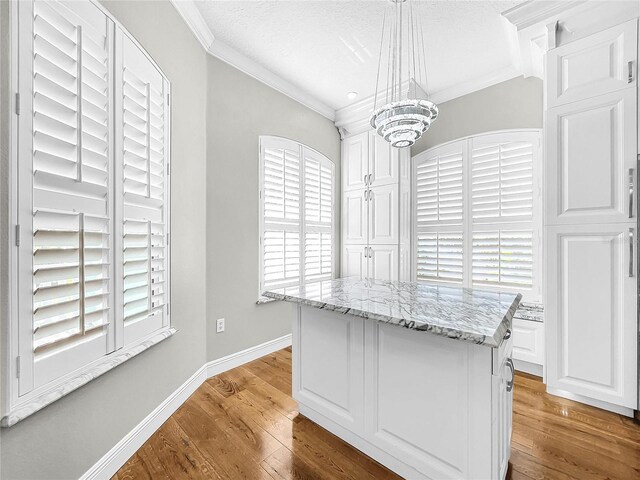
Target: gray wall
x,y
516,103
233,126
69,436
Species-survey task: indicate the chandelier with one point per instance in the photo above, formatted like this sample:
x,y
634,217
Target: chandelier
x,y
403,118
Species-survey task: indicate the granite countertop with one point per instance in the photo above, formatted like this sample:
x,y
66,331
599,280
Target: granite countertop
x,y
470,315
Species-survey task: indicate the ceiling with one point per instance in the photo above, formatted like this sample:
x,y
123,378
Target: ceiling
x,y
329,48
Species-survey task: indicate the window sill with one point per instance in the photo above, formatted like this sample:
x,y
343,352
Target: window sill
x,y
84,376
262,300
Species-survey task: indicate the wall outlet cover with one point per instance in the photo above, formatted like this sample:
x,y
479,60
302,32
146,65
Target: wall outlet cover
x,y
220,325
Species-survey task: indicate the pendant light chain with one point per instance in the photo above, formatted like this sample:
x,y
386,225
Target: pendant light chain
x,y
403,119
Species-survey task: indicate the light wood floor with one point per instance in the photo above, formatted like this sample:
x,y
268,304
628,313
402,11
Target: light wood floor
x,y
243,424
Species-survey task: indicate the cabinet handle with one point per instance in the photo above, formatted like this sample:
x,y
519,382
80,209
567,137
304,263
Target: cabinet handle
x,y
507,334
365,179
631,184
370,179
365,195
630,78
631,252
370,252
513,374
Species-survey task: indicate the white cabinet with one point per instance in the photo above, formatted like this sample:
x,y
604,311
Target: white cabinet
x,y
383,262
375,208
592,315
355,162
355,260
601,63
355,217
590,170
528,341
383,214
591,292
379,262
383,165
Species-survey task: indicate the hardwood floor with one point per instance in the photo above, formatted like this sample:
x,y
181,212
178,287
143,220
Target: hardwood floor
x,y
243,424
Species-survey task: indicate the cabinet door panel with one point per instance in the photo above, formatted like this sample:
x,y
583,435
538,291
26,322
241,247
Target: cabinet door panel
x,y
354,261
354,216
592,66
383,215
355,161
383,166
591,313
383,262
326,344
528,341
591,147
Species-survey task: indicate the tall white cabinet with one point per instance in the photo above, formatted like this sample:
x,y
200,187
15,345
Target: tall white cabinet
x,y
375,209
591,213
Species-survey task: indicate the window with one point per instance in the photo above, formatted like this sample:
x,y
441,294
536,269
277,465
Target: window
x,y
297,195
92,199
477,213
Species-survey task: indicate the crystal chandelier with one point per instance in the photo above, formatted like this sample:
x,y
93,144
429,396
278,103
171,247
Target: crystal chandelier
x,y
402,120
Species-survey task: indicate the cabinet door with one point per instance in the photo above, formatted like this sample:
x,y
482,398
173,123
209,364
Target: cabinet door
x,y
355,161
383,262
593,66
383,165
591,313
354,216
383,215
354,261
591,160
528,341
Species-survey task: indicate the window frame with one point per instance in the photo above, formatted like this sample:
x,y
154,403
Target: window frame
x,y
16,407
263,141
465,145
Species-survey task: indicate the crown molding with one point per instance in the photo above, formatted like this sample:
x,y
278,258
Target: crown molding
x,y
532,12
355,118
194,20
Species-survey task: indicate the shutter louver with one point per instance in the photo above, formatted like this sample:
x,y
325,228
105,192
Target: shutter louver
x,y
502,258
439,257
71,252
281,209
502,182
144,227
502,213
318,202
439,190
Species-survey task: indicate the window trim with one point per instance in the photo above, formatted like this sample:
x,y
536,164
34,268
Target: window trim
x,y
261,223
15,407
535,294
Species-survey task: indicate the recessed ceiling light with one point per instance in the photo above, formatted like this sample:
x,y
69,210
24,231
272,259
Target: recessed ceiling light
x,y
352,95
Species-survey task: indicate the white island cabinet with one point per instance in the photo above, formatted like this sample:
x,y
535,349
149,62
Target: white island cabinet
x,y
432,400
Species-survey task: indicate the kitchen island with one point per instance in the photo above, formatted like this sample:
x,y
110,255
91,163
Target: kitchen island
x,y
417,376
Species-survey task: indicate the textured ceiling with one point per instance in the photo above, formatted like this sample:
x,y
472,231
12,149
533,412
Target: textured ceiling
x,y
329,48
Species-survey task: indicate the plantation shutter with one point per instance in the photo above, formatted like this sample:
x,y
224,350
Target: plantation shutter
x,y
438,198
318,216
144,230
281,200
502,210
65,261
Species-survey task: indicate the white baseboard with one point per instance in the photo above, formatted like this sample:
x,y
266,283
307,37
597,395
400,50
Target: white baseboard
x,y
528,367
627,412
245,356
109,464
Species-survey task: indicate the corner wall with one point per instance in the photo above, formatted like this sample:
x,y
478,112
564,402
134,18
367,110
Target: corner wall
x,y
234,122
516,103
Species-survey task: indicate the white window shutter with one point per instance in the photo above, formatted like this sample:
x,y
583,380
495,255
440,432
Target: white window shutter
x,y
318,217
66,204
142,99
438,196
502,211
281,200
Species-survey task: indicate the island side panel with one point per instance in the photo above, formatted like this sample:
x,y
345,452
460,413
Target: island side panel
x,y
421,404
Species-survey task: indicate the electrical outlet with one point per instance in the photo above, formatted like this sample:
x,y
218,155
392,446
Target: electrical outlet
x,y
220,325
